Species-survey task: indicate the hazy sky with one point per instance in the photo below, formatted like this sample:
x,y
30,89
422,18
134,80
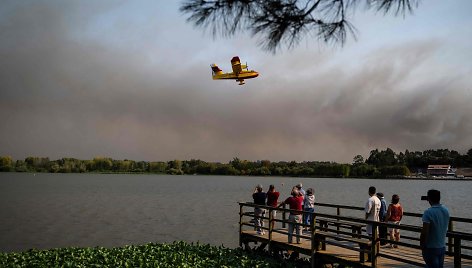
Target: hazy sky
x,y
131,79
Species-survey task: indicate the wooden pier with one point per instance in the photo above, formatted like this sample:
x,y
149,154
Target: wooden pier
x,y
341,239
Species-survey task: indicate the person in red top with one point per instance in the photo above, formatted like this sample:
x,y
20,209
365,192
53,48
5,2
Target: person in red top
x,y
394,216
272,198
295,202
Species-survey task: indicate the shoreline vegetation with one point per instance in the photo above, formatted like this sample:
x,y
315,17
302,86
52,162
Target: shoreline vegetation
x,y
379,164
177,254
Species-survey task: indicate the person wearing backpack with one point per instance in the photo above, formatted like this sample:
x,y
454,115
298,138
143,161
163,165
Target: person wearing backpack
x,y
382,218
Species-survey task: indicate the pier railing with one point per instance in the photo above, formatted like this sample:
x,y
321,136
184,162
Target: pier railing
x,y
348,232
453,222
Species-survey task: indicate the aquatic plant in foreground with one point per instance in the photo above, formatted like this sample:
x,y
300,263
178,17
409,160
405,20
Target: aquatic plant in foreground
x,y
177,254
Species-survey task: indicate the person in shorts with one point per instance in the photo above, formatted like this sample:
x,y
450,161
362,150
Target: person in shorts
x,y
394,216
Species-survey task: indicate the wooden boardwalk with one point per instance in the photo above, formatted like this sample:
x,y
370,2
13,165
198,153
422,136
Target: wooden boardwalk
x,y
341,239
339,253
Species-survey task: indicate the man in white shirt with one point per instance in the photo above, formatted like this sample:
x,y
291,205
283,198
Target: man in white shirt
x,y
372,209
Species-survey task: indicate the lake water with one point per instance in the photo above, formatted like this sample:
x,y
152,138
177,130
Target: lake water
x,y
86,210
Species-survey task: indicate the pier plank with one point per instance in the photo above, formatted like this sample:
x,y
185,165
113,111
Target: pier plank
x,y
340,253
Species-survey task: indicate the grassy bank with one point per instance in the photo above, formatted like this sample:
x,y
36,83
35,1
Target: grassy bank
x,y
178,254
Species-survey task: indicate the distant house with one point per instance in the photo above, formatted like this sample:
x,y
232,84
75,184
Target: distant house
x,y
441,170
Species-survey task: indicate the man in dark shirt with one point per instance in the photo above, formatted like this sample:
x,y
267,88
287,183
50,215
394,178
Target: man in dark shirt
x,y
382,215
259,199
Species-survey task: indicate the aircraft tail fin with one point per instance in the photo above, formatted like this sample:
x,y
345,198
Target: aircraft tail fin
x,y
215,69
235,59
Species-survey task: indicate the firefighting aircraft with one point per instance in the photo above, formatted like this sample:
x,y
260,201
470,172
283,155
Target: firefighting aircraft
x,y
240,71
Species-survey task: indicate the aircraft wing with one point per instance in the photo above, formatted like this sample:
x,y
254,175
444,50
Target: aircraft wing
x,y
236,65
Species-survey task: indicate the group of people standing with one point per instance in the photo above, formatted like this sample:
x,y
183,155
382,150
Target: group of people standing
x,y
435,219
435,223
262,198
298,201
376,210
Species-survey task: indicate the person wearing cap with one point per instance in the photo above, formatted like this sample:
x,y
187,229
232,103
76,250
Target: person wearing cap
x,y
302,192
382,218
300,188
259,199
433,234
308,207
295,203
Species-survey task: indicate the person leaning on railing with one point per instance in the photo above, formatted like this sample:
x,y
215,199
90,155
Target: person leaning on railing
x,y
295,218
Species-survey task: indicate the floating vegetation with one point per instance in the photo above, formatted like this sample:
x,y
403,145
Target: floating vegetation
x,y
177,254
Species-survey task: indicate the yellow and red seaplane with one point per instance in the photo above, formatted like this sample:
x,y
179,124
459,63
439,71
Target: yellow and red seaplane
x,y
240,71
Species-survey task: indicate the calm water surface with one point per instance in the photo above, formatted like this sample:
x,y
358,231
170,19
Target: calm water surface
x,y
86,210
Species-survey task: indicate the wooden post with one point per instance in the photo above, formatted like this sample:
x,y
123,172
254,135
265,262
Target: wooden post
x,y
313,246
457,252
450,239
271,219
284,217
374,249
240,224
338,212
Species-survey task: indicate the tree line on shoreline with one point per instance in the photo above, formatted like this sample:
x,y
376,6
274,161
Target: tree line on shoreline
x,y
380,164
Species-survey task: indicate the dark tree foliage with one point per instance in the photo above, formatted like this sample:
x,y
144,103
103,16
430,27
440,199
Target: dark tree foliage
x,y
380,164
382,158
6,163
286,21
418,160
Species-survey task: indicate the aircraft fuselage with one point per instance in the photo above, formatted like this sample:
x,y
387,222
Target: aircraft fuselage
x,y
240,72
242,75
